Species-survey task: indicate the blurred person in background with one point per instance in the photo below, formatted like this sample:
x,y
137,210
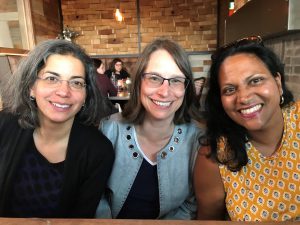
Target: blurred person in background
x,y
117,69
105,85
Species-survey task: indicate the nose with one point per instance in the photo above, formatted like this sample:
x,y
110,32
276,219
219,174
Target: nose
x,y
244,96
63,89
163,90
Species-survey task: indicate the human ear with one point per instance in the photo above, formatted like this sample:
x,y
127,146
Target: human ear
x,y
278,82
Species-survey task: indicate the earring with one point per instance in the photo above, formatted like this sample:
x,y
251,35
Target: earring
x,y
32,98
281,100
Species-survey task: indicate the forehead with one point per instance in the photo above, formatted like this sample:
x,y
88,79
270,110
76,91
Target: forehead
x,y
64,65
162,62
242,64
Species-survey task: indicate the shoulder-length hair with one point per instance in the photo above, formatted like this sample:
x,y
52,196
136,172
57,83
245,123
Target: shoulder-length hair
x,y
113,63
17,91
134,111
219,125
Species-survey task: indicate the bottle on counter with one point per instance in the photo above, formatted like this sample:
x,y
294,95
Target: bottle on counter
x,y
128,84
113,79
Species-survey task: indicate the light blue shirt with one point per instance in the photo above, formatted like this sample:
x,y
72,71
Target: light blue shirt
x,y
174,169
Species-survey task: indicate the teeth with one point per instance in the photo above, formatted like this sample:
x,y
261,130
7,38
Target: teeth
x,y
251,110
162,103
61,106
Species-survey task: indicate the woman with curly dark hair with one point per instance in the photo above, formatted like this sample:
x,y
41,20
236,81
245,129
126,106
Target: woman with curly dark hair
x,y
250,167
117,69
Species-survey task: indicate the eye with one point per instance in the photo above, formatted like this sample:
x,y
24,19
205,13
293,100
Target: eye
x,y
256,80
177,80
154,78
51,78
228,91
77,84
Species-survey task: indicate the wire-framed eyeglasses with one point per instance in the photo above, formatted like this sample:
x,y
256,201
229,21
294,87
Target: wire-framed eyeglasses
x,y
237,43
175,83
53,81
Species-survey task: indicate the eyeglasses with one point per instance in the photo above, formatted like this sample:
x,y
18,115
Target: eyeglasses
x,y
75,84
175,83
237,43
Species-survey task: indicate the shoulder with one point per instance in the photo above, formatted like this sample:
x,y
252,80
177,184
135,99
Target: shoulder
x,y
292,110
209,189
206,165
112,126
89,136
296,107
108,72
113,121
8,120
193,128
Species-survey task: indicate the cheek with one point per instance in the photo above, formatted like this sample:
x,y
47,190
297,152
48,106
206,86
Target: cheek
x,y
227,103
81,97
146,91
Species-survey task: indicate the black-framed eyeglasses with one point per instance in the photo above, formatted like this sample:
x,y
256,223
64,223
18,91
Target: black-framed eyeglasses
x,y
175,83
236,43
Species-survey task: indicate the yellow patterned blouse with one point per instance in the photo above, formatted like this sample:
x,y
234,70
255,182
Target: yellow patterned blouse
x,y
268,188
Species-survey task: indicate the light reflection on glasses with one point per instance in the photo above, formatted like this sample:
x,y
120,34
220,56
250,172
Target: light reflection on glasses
x,y
53,81
176,83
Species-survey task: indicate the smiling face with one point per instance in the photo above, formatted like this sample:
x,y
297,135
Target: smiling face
x,y
60,103
118,66
250,95
161,102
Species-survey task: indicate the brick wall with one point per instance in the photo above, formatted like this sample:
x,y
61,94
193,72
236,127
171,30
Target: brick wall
x,y
192,23
288,49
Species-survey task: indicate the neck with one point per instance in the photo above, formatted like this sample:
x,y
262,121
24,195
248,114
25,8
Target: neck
x,y
268,140
155,130
53,131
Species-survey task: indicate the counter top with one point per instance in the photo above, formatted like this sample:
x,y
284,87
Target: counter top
x,y
120,96
37,221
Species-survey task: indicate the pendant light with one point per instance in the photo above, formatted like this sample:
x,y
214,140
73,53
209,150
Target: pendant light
x,y
118,15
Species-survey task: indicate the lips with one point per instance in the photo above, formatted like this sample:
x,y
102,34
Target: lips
x,y
163,104
62,106
251,110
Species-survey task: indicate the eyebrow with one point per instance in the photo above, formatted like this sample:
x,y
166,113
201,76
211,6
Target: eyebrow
x,y
59,75
175,75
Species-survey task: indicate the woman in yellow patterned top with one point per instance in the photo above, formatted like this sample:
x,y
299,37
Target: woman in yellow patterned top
x,y
250,168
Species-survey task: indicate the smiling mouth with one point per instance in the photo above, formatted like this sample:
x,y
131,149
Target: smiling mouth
x,y
251,110
63,106
164,104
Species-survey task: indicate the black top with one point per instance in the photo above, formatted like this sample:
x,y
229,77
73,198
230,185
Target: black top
x,y
143,199
37,186
123,74
87,166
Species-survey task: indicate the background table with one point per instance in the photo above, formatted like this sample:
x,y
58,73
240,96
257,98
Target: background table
x,y
121,98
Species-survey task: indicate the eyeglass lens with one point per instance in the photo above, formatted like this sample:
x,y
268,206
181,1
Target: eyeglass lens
x,y
176,83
